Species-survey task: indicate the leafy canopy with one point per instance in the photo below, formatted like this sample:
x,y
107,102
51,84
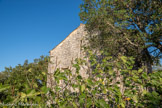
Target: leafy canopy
x,y
130,27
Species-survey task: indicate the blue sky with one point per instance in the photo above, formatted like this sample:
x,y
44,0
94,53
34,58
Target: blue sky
x,y
31,28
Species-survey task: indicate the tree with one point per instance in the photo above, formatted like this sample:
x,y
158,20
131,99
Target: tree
x,y
127,27
24,82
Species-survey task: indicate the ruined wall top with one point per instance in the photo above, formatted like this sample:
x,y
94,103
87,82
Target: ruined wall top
x,y
68,50
75,33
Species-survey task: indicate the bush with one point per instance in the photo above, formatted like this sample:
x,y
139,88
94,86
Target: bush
x,y
111,83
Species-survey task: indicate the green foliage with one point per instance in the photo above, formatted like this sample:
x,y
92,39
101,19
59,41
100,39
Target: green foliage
x,y
25,83
110,84
127,27
112,81
4,87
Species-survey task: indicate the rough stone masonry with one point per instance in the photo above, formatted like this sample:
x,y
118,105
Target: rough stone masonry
x,y
66,52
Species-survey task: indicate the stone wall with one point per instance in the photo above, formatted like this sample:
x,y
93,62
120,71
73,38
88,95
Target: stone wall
x,y
66,52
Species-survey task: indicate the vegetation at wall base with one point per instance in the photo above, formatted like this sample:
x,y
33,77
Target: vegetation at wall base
x,y
25,86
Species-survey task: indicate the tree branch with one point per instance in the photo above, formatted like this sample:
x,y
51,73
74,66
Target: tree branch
x,y
119,31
